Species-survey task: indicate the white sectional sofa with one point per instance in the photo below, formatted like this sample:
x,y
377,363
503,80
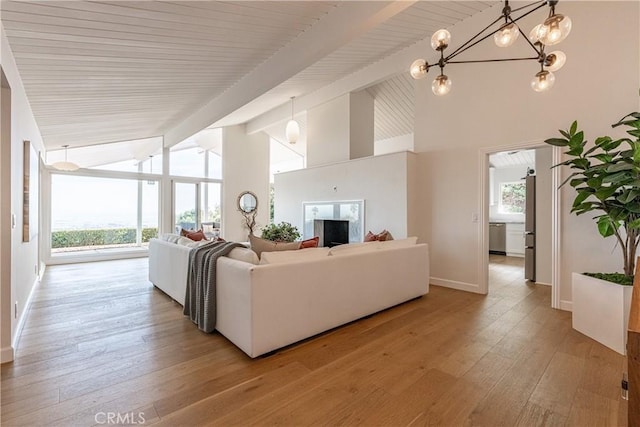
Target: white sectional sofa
x,y
294,295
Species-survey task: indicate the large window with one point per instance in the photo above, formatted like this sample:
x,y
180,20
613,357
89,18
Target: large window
x,y
199,156
89,213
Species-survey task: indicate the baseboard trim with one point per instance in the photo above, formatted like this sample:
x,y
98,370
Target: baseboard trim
x,y
23,315
6,355
543,284
461,286
566,305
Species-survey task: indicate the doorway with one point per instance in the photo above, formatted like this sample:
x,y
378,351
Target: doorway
x,y
512,216
504,173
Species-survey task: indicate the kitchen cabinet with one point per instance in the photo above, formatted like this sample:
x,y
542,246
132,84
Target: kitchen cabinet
x,y
515,239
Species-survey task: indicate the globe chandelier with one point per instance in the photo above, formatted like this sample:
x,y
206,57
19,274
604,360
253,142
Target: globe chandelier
x,y
505,32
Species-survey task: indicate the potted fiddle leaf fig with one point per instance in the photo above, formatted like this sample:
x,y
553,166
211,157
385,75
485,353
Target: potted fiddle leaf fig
x,y
606,178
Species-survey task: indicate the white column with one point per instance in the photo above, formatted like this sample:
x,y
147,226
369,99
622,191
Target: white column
x,y
245,167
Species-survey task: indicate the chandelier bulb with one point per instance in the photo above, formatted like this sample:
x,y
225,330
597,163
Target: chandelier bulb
x,y
554,60
554,29
440,39
419,69
534,35
543,81
441,85
507,35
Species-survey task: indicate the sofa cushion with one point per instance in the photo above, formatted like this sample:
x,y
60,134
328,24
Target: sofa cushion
x,y
170,237
282,257
244,254
310,243
259,245
354,248
400,243
185,241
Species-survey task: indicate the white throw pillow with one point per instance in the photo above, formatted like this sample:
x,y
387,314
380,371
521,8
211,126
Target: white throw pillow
x,y
301,255
244,254
170,237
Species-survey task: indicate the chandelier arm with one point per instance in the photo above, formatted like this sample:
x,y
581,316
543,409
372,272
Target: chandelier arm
x,y
493,60
460,50
464,47
538,51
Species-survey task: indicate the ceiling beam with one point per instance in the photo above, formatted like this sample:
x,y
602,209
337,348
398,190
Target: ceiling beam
x,y
369,75
344,23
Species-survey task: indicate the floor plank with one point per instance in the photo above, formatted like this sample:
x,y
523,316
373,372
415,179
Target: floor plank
x,y
100,338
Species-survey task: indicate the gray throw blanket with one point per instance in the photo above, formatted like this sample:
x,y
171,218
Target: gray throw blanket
x,y
200,299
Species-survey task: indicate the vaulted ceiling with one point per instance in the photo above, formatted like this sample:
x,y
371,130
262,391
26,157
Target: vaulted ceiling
x,y
98,72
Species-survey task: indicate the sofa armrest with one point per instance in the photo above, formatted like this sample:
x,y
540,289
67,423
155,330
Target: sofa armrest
x,y
234,317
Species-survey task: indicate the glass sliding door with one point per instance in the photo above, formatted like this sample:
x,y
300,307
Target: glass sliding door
x,y
197,205
210,213
185,206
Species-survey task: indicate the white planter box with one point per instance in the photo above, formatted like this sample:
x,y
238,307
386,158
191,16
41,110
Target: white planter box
x,y
601,310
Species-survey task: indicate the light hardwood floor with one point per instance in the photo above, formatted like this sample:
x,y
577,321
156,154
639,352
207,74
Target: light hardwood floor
x,y
100,339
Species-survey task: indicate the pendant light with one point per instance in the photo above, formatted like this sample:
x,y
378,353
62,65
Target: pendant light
x,y
293,128
66,165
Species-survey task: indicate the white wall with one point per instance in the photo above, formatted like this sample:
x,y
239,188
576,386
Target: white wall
x,y
6,350
500,176
544,190
24,255
361,124
492,105
328,132
341,129
382,181
394,145
245,168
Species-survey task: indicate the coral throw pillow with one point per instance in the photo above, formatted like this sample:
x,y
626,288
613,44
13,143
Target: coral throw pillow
x,y
381,237
196,236
310,243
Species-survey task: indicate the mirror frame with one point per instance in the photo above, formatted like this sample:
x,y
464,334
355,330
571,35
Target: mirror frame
x,y
240,208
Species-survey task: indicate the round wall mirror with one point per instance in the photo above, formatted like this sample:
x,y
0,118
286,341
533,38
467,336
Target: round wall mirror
x,y
247,202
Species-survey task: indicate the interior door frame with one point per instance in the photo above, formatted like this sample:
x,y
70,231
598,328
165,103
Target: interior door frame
x,y
483,240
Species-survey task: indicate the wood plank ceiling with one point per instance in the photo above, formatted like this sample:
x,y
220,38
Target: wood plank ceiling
x,y
98,72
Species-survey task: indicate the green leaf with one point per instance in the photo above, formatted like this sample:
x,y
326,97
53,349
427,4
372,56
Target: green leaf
x,y
581,197
602,140
565,133
574,127
577,181
558,142
577,140
617,167
594,183
605,192
604,158
605,226
634,225
628,196
615,178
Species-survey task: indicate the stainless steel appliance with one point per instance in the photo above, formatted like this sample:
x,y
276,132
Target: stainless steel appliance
x,y
497,238
530,229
